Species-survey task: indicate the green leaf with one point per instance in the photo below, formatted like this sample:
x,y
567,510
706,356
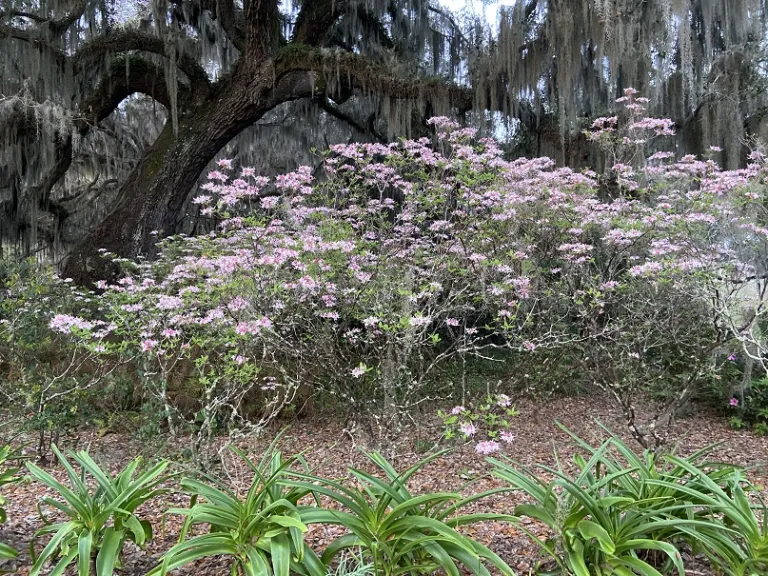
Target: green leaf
x,y
280,550
84,544
576,559
7,552
589,530
537,512
63,532
288,522
111,545
638,566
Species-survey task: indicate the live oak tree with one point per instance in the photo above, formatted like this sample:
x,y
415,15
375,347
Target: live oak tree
x,y
111,109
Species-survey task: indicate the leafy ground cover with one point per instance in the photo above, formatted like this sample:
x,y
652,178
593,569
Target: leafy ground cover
x,y
329,451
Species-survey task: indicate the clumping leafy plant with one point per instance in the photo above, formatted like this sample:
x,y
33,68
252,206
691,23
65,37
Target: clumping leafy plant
x,y
99,520
8,475
262,531
398,532
52,381
621,513
489,418
735,537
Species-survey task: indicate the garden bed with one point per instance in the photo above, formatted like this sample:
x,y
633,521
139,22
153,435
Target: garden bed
x,y
330,451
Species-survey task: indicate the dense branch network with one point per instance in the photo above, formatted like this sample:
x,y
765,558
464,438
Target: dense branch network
x,y
378,67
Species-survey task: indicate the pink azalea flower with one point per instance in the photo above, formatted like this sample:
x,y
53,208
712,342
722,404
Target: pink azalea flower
x,y
148,344
734,402
359,371
487,447
468,429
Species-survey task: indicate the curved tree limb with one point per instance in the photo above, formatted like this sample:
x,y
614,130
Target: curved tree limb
x,y
316,19
129,40
54,25
34,38
63,155
363,129
125,77
365,75
126,40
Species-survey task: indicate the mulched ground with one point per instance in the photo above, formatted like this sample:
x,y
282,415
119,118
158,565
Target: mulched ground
x,y
329,451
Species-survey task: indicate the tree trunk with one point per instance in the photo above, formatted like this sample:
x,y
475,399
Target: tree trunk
x,y
151,201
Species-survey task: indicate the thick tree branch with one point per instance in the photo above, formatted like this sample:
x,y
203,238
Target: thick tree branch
x,y
124,41
35,39
367,76
54,25
262,29
126,76
315,20
362,129
63,159
447,16
129,40
225,13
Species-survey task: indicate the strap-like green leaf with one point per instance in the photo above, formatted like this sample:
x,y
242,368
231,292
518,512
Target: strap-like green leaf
x,y
638,566
66,530
111,545
62,564
7,552
577,561
84,545
589,530
341,543
280,550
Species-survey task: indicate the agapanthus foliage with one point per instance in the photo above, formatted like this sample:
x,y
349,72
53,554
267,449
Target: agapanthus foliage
x,y
365,281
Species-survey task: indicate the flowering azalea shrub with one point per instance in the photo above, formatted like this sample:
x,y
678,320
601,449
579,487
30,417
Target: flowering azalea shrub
x,y
363,284
46,377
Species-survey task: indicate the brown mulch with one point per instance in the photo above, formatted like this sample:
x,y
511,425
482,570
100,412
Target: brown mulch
x,y
330,452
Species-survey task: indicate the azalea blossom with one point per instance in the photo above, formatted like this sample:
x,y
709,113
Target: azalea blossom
x,y
487,447
359,371
507,437
148,345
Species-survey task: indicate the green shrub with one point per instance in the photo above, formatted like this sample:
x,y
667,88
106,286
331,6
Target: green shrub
x,y
397,532
8,476
262,533
737,541
99,520
621,513
755,406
